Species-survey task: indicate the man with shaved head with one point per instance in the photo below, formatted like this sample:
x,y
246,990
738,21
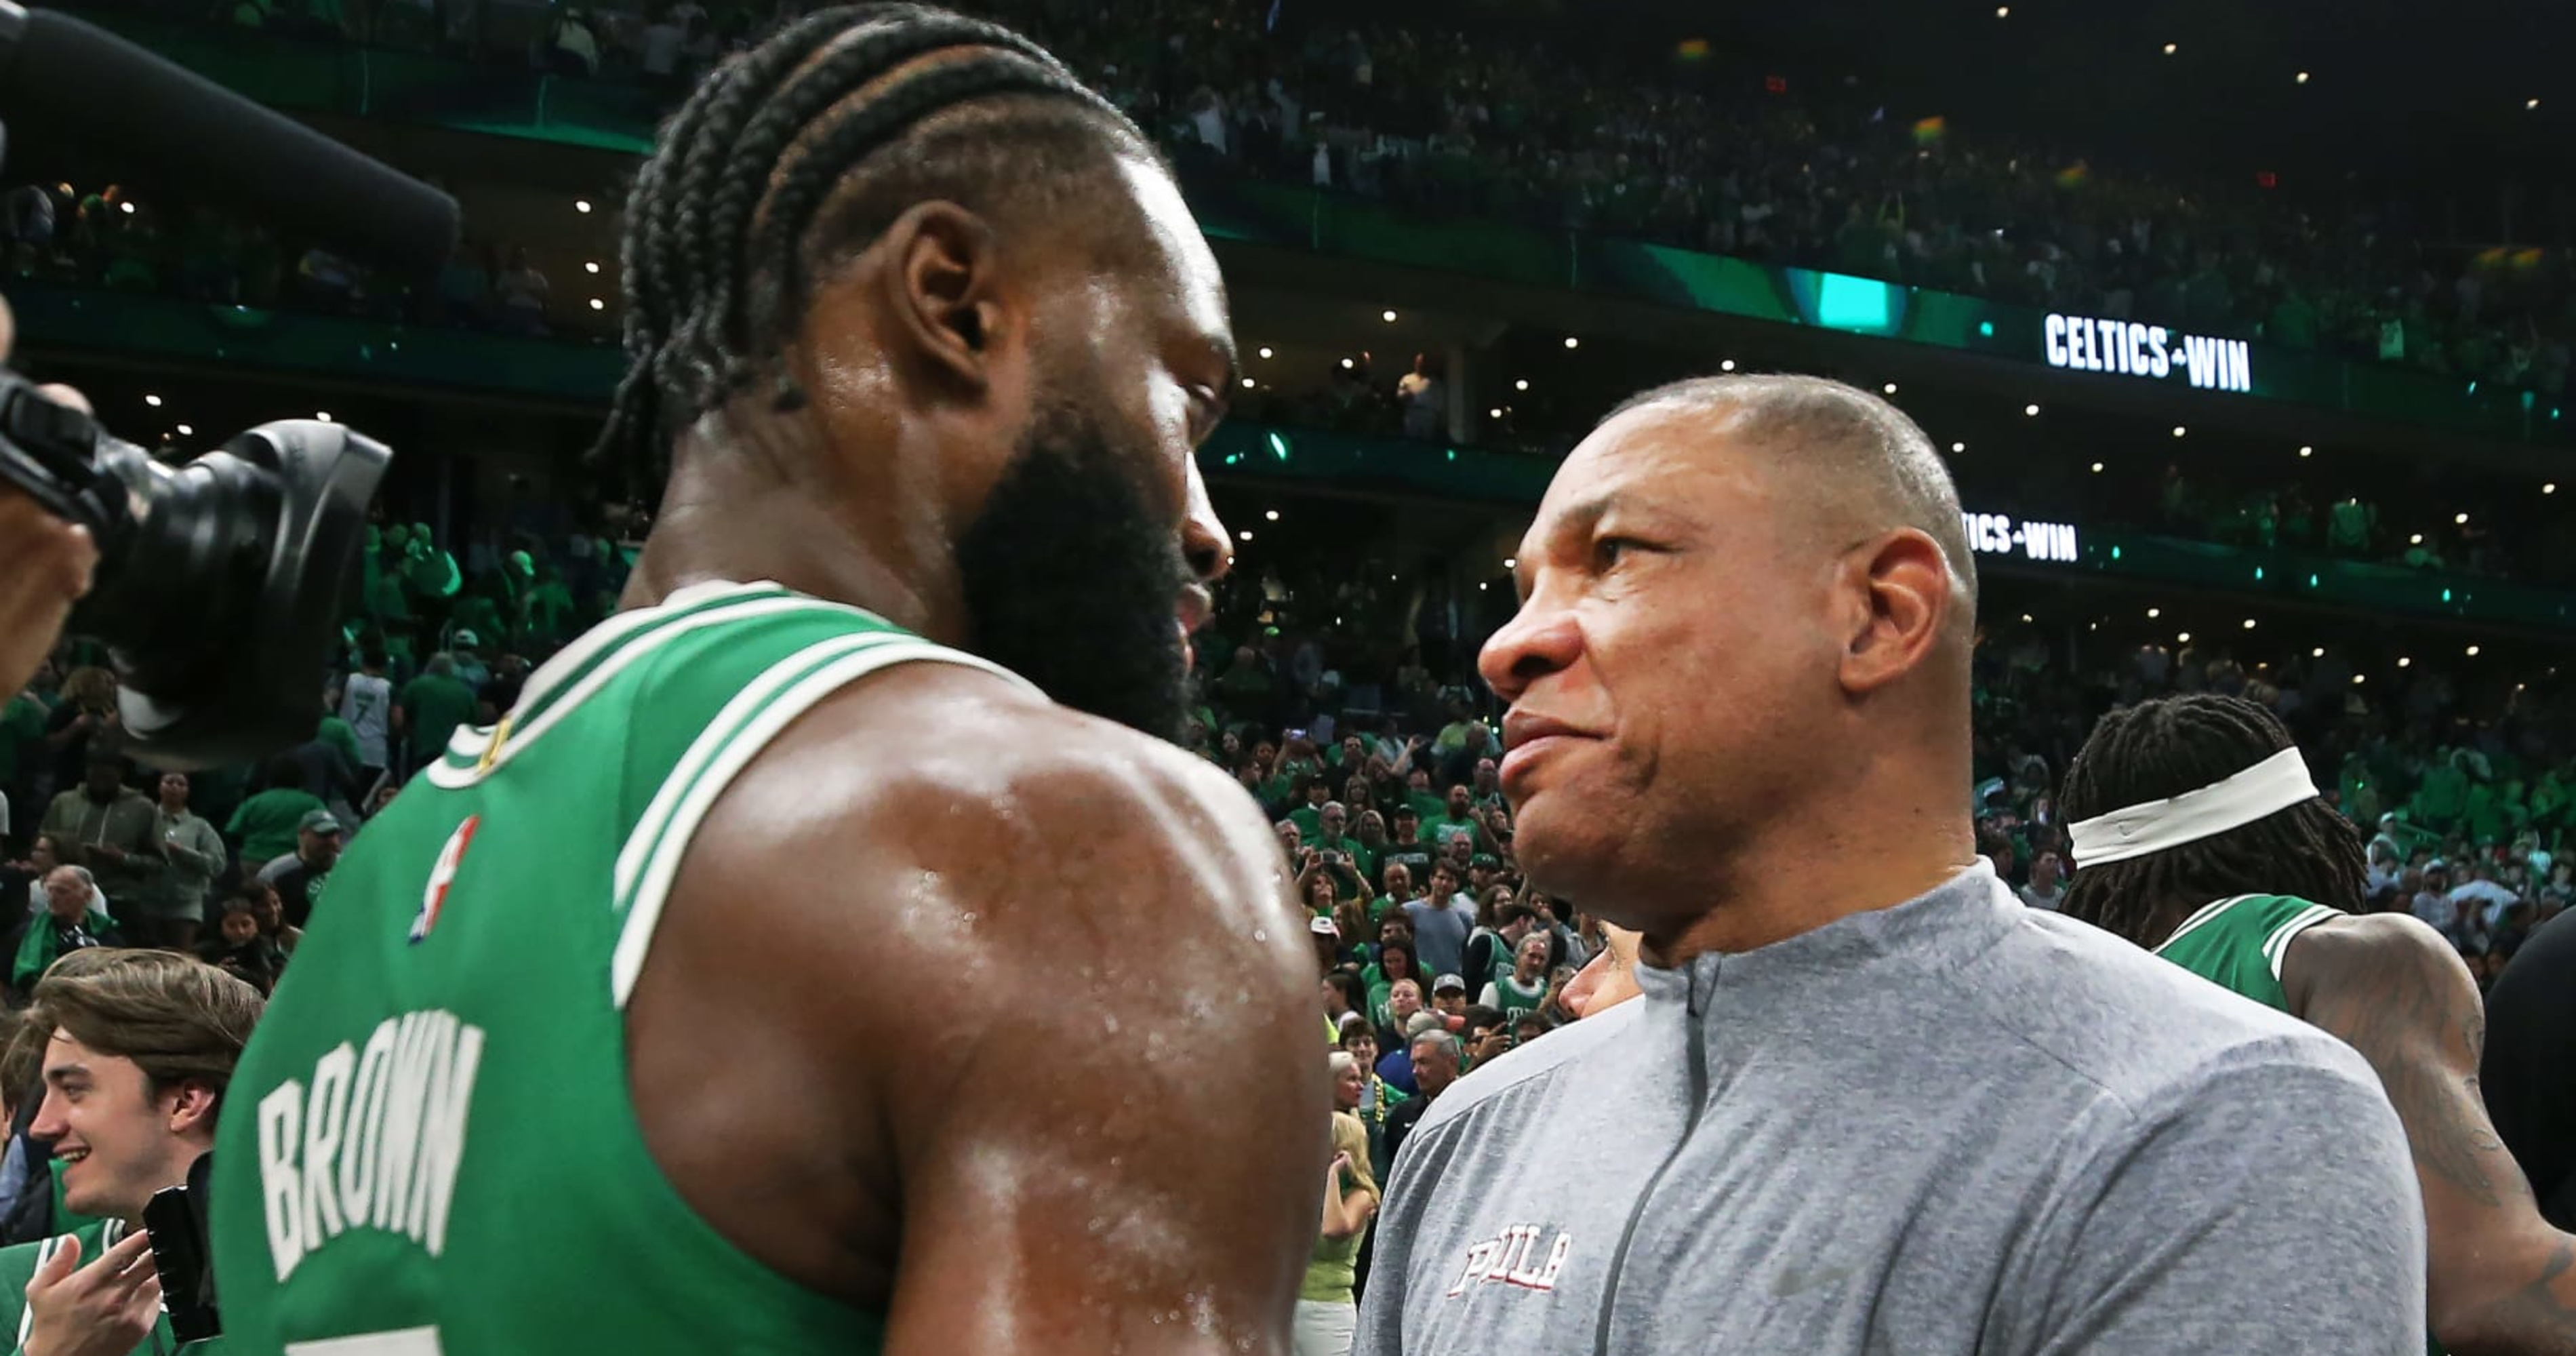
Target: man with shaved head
x,y
1866,1101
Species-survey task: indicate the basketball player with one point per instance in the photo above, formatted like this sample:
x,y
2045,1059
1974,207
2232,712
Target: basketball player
x,y
2176,807
1867,1101
591,1051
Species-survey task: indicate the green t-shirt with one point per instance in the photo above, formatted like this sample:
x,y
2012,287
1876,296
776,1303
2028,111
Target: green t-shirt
x,y
265,824
22,722
340,735
1438,832
1333,1268
1515,1000
435,704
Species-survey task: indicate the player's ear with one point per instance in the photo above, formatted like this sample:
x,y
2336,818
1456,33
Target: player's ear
x,y
942,294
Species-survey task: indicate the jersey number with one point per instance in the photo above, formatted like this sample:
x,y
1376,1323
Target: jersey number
x,y
397,1342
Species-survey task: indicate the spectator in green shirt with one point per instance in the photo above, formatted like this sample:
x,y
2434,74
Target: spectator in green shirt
x,y
1457,820
266,823
430,707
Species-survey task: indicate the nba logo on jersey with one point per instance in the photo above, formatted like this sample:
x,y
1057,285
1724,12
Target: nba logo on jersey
x,y
434,899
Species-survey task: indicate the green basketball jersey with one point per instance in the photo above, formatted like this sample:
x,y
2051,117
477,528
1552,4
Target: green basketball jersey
x,y
428,1146
2238,942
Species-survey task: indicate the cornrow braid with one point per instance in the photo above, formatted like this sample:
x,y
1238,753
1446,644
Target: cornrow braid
x,y
2171,745
763,143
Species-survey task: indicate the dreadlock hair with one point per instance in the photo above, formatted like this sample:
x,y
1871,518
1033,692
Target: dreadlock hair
x,y
802,149
2163,748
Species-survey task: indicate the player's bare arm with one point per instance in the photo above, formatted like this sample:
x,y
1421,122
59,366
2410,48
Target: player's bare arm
x,y
1013,931
2502,1280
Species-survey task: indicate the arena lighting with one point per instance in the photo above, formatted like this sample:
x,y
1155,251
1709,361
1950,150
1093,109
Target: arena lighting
x,y
2473,652
2169,49
1346,364
590,266
2097,468
2531,103
2003,11
1247,383
2249,623
2025,616
1521,385
597,305
2182,638
1494,413
322,415
1387,316
1245,534
2416,540
152,400
2358,679
1958,447
2317,653
2154,612
2303,77
1572,342
2550,488
2179,430
1889,388
581,205
1264,350
1726,366
2462,520
1271,515
2404,660
186,432
2031,410
2307,451
1511,562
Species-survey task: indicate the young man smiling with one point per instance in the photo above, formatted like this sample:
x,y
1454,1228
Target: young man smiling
x,y
136,1050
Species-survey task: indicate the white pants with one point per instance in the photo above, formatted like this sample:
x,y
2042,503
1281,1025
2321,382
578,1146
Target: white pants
x,y
1326,1327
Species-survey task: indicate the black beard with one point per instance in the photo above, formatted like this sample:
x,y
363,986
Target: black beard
x,y
1070,579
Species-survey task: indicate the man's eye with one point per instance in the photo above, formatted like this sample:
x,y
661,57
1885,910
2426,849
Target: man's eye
x,y
1610,550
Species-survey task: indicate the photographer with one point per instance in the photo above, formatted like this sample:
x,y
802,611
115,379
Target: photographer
x,y
45,563
135,1050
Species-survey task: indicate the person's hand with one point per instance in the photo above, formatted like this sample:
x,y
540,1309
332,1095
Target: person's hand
x,y
45,563
1341,1163
104,1309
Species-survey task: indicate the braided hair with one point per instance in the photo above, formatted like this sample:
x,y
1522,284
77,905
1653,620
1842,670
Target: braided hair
x,y
2171,745
802,149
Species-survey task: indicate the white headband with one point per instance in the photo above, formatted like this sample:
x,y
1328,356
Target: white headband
x,y
2240,798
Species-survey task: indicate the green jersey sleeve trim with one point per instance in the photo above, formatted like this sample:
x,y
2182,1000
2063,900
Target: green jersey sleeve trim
x,y
2277,944
2208,912
730,742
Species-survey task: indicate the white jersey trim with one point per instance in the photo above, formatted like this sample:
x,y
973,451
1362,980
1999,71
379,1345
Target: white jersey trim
x,y
2278,944
2207,912
726,747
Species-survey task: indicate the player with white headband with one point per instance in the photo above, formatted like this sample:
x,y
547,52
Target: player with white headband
x,y
2184,810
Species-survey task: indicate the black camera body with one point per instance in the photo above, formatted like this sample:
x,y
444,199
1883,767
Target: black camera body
x,y
220,583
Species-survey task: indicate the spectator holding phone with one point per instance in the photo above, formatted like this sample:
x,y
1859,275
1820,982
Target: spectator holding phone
x,y
135,1050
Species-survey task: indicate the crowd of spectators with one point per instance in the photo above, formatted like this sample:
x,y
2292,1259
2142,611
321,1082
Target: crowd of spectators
x,y
1717,155
99,848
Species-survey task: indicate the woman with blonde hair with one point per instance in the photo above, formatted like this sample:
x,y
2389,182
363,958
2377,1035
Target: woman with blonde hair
x,y
1327,1310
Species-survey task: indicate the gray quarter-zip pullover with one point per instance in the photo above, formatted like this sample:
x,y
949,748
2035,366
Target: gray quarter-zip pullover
x,y
1953,1126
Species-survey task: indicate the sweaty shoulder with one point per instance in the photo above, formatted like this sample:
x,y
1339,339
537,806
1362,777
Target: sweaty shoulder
x,y
2140,1028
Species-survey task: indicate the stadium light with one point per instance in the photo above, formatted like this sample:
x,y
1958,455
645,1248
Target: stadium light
x,y
1511,562
1889,388
1245,534
1346,364
2003,11
2179,430
1958,447
2473,652
2169,49
2416,540
2461,520
323,415
2550,488
2025,616
1271,516
1247,383
2404,660
1387,316
2317,653
1726,366
590,266
2531,103
2358,679
1494,413
2031,410
2182,638
2097,468
597,305
2249,623
186,432
1572,342
2303,77
581,205
152,400
2154,612
1264,350
1521,385
2307,451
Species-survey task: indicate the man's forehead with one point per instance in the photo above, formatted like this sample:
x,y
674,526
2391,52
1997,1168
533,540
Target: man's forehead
x,y
1667,456
1175,236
